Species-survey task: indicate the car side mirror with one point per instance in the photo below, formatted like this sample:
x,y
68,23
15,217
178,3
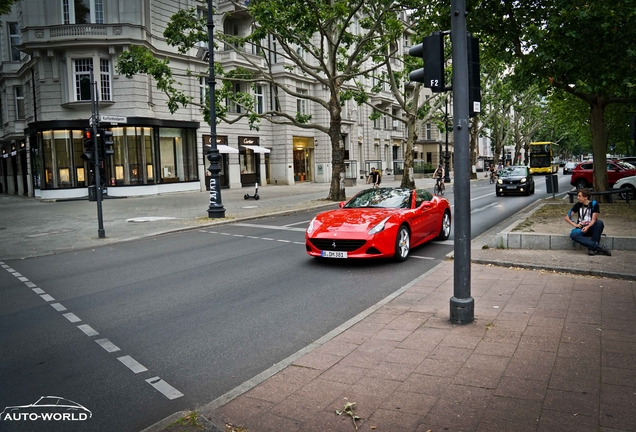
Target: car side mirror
x,y
342,204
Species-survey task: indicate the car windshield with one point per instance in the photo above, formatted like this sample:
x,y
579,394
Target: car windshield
x,y
626,165
381,198
514,171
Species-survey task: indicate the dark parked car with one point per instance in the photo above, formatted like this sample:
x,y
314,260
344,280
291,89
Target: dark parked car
x,y
515,179
583,174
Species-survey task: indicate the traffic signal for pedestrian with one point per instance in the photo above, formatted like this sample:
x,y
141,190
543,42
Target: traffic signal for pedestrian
x,y
107,143
431,50
88,141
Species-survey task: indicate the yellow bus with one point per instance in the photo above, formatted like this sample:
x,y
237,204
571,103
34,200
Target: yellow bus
x,y
544,157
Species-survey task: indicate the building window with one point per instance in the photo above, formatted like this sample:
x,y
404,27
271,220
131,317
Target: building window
x,y
259,99
14,41
83,11
428,131
1,112
82,78
234,107
104,75
302,104
19,102
203,90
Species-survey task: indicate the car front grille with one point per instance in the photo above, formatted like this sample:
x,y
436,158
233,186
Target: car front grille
x,y
340,245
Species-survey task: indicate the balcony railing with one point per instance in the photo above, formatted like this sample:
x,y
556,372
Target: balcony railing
x,y
81,30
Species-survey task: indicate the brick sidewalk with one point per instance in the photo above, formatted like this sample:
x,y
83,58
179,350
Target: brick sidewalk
x,y
547,352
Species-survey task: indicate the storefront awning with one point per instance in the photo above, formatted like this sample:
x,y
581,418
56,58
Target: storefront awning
x,y
256,149
224,148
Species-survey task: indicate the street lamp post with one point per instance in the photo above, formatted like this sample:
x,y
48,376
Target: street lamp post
x,y
216,209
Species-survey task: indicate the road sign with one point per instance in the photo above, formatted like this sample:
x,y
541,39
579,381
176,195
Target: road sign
x,y
113,118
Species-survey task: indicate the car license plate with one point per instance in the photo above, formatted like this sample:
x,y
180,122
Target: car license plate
x,y
511,187
332,254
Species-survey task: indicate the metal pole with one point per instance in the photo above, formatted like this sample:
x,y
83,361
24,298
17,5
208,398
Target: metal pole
x,y
447,156
462,305
98,181
216,209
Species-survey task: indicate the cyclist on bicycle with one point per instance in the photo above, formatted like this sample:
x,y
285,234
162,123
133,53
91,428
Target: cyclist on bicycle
x,y
492,173
439,176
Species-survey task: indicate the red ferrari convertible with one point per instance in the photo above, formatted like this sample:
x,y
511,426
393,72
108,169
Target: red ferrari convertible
x,y
379,223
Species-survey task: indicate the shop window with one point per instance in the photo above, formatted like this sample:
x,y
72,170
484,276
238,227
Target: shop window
x,y
132,150
57,152
247,161
177,153
83,11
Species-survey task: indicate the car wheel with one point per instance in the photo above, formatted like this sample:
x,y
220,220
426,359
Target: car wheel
x,y
402,244
581,184
631,193
444,232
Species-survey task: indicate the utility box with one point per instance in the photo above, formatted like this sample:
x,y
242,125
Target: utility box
x,y
92,193
552,183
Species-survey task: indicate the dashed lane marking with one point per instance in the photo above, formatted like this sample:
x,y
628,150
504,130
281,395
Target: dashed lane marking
x,y
273,227
71,317
38,291
132,364
88,330
166,389
58,307
47,297
107,345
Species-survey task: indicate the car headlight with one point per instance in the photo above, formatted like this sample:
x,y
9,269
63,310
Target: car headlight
x,y
311,227
499,181
379,227
523,180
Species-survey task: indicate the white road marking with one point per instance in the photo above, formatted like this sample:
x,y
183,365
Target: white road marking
x,y
239,235
298,223
23,279
10,270
252,237
166,389
30,284
107,345
72,317
87,329
484,208
267,238
300,243
58,307
132,364
284,241
38,291
16,274
274,227
47,297
421,257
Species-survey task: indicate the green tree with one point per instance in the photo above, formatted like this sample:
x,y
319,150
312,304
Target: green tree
x,y
5,6
584,49
329,43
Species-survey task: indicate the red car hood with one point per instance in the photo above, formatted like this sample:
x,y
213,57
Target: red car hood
x,y
351,220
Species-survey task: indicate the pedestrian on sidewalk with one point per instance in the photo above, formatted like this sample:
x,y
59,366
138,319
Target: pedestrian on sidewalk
x,y
588,227
375,178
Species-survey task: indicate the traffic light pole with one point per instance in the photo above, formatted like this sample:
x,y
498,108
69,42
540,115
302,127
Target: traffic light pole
x,y
462,305
98,181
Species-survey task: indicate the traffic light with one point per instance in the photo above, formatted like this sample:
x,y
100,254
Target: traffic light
x,y
431,50
88,141
107,143
474,79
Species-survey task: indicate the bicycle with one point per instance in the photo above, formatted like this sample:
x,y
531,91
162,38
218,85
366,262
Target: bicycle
x,y
493,177
439,187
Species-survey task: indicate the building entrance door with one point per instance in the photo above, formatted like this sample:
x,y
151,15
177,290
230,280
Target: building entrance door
x,y
302,165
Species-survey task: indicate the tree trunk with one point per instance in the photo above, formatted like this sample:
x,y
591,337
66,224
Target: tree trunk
x,y
599,145
337,189
407,179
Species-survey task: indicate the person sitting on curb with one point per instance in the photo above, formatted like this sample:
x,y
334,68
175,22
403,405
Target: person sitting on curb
x,y
588,224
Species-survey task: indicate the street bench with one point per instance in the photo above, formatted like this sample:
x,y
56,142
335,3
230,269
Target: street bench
x,y
610,193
